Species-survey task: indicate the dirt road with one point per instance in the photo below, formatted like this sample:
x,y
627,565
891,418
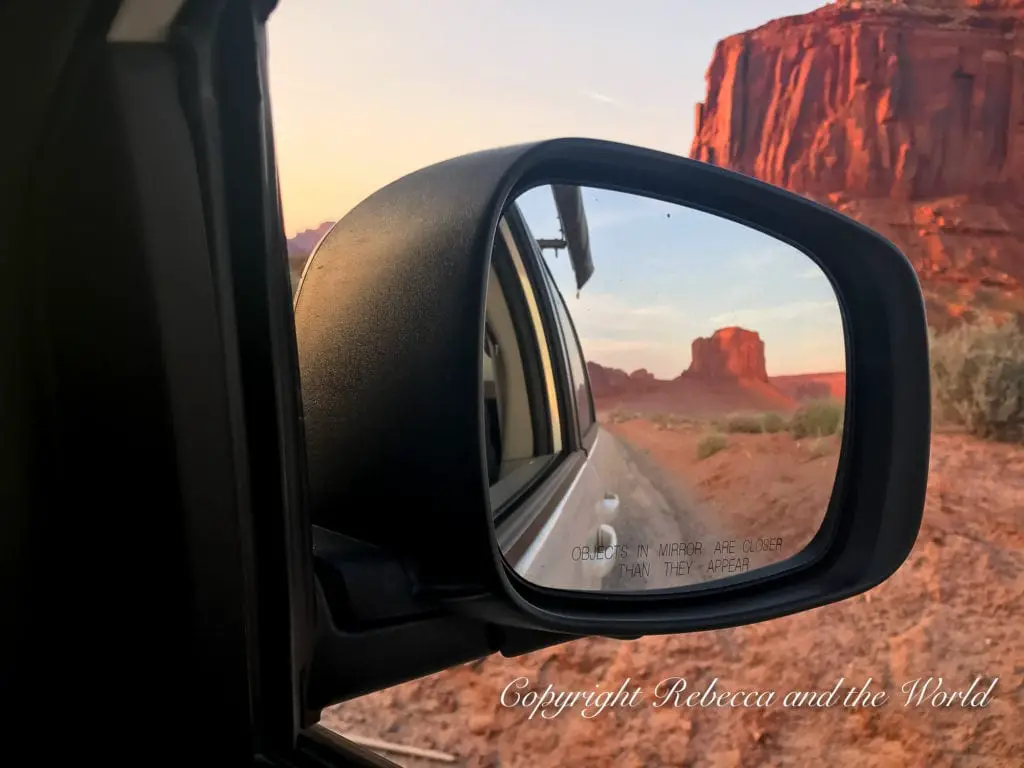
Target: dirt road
x,y
669,536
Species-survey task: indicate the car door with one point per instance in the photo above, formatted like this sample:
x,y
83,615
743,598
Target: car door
x,y
620,516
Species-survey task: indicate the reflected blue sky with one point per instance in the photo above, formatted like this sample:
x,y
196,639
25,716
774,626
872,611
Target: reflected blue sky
x,y
665,274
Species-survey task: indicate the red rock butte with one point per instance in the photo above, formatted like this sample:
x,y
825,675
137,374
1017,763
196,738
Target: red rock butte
x,y
727,373
733,353
908,116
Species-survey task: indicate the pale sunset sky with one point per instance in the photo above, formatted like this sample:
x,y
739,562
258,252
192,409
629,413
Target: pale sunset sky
x,y
365,91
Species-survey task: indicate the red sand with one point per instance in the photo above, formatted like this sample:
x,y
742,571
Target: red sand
x,y
955,609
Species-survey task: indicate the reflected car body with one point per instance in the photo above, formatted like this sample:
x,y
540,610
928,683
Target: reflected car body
x,y
618,523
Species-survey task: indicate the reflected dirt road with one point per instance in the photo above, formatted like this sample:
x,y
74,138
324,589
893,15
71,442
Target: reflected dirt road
x,y
771,489
669,539
684,519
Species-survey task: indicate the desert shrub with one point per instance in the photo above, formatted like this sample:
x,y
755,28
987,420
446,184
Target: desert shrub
x,y
661,420
710,445
819,418
818,448
668,420
978,379
618,416
750,424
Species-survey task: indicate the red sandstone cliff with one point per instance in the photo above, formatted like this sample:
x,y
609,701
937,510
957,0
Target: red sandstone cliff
x,y
726,373
730,353
611,382
906,115
606,381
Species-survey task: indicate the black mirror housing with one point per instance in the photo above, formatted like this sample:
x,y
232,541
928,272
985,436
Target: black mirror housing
x,y
571,213
390,323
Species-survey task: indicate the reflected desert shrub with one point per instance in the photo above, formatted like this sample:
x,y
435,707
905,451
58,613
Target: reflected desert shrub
x,y
820,418
751,424
819,448
774,422
668,420
978,379
710,445
661,420
619,416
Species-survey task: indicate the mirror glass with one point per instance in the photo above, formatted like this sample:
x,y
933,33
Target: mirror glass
x,y
665,393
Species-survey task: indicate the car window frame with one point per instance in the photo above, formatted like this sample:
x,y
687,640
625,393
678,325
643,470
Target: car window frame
x,y
571,337
539,367
523,520
538,274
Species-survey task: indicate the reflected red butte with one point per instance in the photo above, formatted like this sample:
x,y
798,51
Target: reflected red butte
x,y
727,373
730,353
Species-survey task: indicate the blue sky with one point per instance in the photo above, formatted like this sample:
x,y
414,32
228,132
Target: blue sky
x,y
665,274
365,91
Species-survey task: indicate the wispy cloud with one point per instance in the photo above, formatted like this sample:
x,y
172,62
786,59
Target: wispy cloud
x,y
639,208
741,292
601,97
772,254
600,314
752,317
627,335
599,347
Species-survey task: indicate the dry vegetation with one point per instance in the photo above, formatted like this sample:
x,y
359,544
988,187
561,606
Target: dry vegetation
x,y
815,419
978,380
710,445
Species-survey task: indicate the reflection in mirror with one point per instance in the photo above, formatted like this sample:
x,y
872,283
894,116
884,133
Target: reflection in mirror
x,y
702,370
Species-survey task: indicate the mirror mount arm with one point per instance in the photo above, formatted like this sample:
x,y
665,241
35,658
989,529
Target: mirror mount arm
x,y
372,606
368,587
365,585
576,233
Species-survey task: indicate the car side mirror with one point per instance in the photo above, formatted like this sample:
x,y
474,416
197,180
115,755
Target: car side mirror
x,y
718,457
460,427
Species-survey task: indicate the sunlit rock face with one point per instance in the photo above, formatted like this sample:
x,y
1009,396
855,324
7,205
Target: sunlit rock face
x,y
908,115
729,353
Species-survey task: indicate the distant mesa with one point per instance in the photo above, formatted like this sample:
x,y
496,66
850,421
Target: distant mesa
x,y
300,247
727,373
605,382
730,353
610,381
303,243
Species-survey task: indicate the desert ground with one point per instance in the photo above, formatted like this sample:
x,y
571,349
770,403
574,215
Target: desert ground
x,y
954,610
755,486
